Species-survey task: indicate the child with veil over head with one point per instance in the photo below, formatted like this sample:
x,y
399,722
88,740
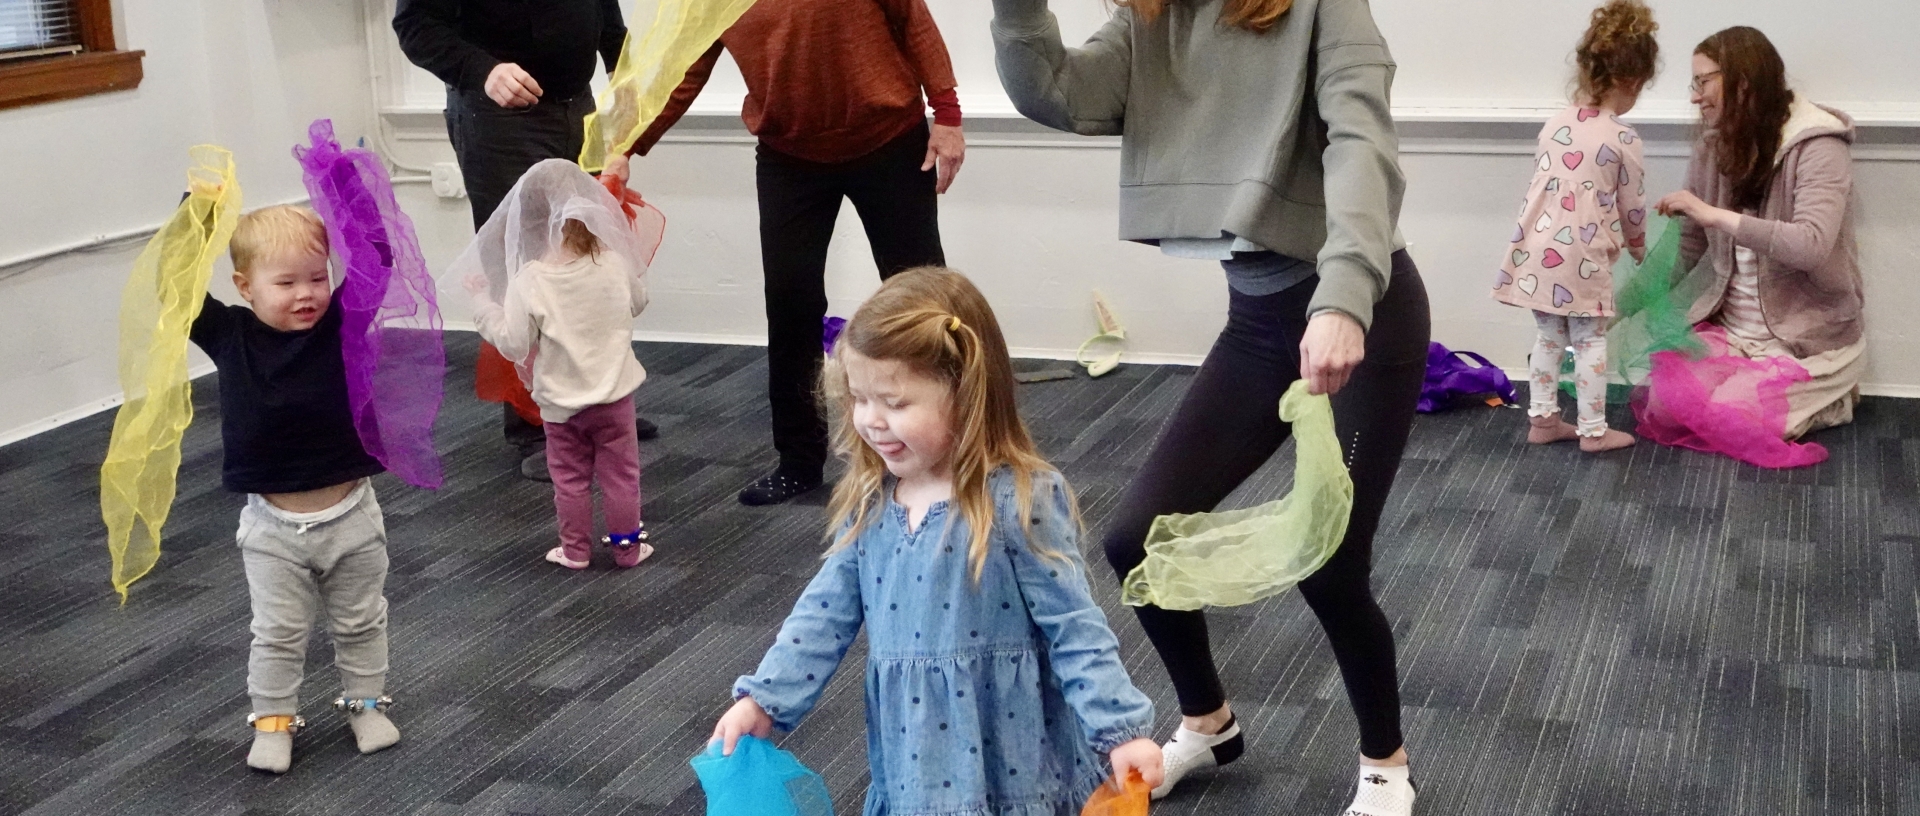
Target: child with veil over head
x,y
558,275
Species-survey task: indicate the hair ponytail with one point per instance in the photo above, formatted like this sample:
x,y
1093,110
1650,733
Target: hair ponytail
x,y
936,322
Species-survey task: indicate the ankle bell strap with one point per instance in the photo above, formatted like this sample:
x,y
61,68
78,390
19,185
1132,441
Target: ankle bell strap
x,y
363,705
626,541
274,723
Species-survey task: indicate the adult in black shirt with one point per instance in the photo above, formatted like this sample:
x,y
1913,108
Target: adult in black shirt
x,y
517,74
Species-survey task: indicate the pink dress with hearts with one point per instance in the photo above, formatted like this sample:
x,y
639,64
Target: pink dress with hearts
x,y
1586,202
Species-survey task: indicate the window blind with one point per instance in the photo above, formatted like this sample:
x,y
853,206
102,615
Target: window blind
x,y
32,28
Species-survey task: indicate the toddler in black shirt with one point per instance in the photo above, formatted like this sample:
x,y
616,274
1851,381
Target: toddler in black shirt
x,y
311,536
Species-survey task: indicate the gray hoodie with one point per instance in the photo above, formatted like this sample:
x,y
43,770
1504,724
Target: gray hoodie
x,y
1285,138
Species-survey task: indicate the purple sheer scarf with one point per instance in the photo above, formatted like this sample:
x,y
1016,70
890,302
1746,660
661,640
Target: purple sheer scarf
x,y
390,320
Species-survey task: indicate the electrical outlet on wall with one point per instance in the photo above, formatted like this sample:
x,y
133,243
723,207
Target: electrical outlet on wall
x,y
447,182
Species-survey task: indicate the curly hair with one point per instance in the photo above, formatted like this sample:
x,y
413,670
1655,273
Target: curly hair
x,y
1618,51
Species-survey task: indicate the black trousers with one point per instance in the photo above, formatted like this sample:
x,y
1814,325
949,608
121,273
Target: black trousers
x,y
799,202
494,147
1227,426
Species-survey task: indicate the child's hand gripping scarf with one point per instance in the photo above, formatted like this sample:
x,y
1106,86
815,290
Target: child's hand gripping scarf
x,y
527,227
163,296
1130,799
1691,391
647,74
389,322
759,780
1242,556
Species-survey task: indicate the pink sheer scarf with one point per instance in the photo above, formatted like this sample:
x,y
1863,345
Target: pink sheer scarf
x,y
1724,403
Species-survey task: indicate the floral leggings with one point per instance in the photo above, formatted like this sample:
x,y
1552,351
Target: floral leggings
x,y
1588,336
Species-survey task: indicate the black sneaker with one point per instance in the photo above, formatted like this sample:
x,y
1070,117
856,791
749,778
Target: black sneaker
x,y
645,429
534,467
774,488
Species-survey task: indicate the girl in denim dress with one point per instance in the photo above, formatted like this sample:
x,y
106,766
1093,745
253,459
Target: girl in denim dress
x,y
993,684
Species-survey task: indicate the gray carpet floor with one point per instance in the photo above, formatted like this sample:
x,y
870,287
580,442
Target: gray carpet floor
x,y
1651,631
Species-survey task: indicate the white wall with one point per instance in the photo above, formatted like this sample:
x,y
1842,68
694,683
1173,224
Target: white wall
x,y
1487,57
245,75
1032,216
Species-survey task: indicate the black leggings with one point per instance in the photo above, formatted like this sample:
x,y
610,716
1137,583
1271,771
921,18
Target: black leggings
x,y
1228,425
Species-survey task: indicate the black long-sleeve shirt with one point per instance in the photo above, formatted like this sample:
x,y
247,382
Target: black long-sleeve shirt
x,y
284,414
460,41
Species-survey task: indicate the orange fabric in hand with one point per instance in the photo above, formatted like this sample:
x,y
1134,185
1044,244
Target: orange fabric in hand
x,y
1129,801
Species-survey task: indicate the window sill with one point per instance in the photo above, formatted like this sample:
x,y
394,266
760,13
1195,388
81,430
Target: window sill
x,y
31,82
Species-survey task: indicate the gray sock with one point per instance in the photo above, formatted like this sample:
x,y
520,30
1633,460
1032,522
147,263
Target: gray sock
x,y
372,731
272,751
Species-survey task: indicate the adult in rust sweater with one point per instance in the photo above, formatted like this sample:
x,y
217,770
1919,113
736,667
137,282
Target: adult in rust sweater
x,y
834,93
1769,237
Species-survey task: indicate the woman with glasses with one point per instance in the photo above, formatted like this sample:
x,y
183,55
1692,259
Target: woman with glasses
x,y
1769,229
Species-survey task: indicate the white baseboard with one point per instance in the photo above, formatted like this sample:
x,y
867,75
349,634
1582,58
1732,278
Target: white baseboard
x,y
1518,375
761,340
1136,358
71,415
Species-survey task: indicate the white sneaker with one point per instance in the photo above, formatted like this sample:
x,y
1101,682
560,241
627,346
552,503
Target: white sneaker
x,y
1190,751
1382,794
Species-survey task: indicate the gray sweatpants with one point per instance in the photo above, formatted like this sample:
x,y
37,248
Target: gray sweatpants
x,y
300,564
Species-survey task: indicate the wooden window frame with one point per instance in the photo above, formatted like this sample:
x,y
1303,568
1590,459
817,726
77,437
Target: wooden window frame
x,y
99,68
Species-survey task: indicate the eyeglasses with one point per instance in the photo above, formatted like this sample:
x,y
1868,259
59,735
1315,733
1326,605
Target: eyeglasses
x,y
1699,84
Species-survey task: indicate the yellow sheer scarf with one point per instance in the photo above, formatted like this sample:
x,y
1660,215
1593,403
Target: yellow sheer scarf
x,y
163,296
647,74
1242,556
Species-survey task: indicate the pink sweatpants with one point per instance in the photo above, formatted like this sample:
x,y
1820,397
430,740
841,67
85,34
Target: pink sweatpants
x,y
596,444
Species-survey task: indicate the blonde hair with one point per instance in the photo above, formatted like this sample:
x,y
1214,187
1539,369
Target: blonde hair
x,y
1253,15
1618,50
933,320
271,233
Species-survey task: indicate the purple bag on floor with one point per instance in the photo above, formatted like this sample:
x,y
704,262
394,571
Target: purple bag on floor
x,y
1452,381
830,329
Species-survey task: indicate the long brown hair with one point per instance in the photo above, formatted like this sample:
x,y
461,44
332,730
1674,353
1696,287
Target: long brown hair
x,y
1754,105
936,322
1618,52
1253,15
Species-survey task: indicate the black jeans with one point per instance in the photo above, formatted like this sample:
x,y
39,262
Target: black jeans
x,y
494,147
1228,425
799,201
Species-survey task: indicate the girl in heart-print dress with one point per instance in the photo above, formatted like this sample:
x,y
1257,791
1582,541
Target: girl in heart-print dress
x,y
1586,203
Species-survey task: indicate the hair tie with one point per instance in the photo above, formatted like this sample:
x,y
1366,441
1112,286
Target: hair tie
x,y
953,323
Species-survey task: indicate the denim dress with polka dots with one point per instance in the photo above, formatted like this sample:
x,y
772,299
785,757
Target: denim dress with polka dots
x,y
995,698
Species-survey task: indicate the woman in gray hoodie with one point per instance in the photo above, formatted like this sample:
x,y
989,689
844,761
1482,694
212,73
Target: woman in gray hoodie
x,y
1768,203
1258,133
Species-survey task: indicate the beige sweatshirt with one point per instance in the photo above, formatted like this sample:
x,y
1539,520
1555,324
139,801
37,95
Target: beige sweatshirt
x,y
576,320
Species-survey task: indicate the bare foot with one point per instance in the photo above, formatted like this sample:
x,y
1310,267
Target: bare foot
x,y
1611,440
1547,430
